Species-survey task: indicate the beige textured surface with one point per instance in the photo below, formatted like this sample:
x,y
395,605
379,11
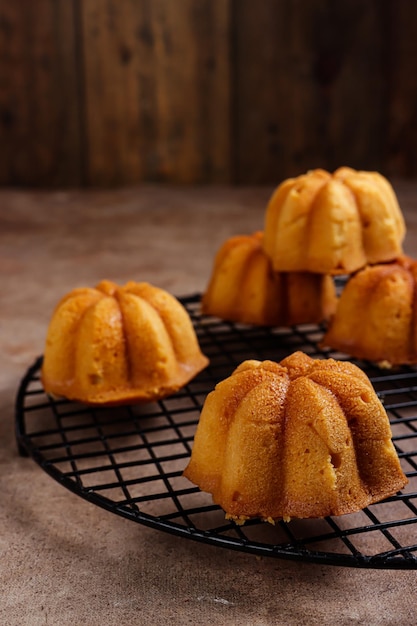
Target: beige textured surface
x,y
64,561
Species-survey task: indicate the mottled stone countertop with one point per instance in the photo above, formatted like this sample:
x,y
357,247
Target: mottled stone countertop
x,y
64,560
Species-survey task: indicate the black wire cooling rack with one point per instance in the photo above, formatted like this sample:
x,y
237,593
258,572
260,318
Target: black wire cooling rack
x,y
129,460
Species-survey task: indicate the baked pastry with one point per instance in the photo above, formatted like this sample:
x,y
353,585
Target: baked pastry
x,y
333,223
244,288
117,345
302,438
376,318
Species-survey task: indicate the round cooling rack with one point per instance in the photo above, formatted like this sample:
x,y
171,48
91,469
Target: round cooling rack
x,y
129,460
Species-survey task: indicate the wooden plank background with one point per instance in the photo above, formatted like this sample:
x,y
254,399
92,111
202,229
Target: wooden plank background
x,y
116,92
40,140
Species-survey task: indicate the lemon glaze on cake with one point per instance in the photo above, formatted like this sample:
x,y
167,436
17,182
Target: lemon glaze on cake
x,y
116,345
244,288
333,223
376,318
302,438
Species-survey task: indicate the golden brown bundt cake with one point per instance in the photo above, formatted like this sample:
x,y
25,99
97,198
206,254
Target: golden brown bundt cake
x,y
376,318
302,438
333,223
117,345
244,288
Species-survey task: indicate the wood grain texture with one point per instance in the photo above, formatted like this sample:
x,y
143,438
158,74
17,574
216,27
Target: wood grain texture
x,y
39,115
118,92
309,87
157,90
400,60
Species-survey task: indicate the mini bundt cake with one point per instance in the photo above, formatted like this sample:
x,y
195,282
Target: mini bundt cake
x,y
376,318
302,438
244,288
117,345
333,223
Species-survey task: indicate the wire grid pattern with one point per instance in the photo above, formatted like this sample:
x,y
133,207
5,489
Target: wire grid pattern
x,y
129,460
